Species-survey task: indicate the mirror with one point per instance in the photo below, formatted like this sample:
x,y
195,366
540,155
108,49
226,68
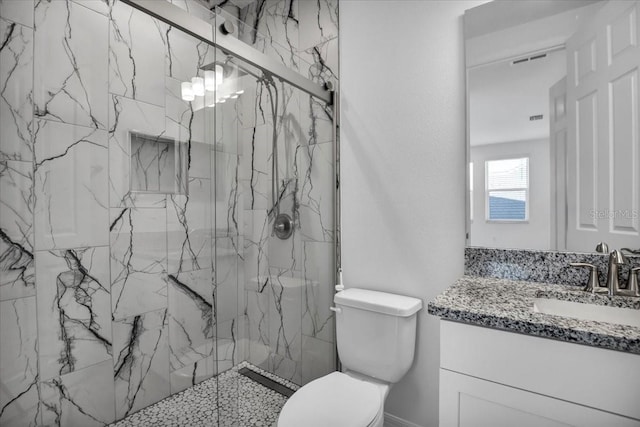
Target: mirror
x,y
553,143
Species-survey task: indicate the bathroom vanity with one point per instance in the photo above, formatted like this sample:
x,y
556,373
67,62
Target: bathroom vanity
x,y
505,361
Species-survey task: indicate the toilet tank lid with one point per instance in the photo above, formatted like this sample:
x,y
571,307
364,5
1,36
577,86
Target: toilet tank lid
x,y
380,302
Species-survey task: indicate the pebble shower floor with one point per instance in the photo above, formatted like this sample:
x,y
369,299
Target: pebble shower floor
x,y
243,403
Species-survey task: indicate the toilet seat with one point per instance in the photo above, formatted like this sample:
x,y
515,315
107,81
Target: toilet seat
x,y
333,400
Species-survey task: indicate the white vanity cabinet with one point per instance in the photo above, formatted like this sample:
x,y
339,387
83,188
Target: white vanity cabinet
x,y
493,378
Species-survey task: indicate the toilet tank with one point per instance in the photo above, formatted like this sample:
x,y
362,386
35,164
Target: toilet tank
x,y
376,332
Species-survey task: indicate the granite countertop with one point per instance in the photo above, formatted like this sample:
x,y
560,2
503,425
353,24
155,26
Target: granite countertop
x,y
508,305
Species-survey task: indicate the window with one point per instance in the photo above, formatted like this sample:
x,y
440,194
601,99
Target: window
x,y
507,183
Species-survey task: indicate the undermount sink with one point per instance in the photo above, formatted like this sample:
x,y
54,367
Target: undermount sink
x,y
582,311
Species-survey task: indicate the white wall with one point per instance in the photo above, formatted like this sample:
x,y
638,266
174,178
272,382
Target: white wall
x,y
536,232
403,165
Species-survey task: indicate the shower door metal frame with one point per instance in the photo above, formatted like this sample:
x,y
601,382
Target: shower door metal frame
x,y
202,30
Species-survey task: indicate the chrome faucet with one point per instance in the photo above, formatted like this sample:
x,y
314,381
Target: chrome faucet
x,y
634,284
613,286
632,289
616,258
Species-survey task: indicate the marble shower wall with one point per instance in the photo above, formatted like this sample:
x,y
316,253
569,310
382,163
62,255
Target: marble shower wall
x,y
106,294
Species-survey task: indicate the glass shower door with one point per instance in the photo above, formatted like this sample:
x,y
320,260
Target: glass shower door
x,y
274,165
161,192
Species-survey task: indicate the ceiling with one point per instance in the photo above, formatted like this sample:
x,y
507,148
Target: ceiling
x,y
500,14
503,96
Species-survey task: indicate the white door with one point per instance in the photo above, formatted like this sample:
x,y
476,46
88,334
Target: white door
x,y
603,152
558,165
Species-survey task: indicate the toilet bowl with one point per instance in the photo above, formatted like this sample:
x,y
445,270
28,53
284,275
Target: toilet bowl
x,y
337,399
376,342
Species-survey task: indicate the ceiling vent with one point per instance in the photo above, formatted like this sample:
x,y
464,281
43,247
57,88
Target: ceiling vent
x,y
534,118
528,59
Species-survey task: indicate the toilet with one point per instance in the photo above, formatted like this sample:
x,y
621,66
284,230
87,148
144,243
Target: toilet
x,y
376,334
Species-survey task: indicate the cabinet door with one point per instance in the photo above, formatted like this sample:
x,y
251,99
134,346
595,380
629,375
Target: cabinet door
x,y
471,402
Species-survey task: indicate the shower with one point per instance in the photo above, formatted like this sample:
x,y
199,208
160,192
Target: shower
x,y
283,223
159,212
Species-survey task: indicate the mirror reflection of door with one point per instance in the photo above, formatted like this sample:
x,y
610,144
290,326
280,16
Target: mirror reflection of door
x,y
604,146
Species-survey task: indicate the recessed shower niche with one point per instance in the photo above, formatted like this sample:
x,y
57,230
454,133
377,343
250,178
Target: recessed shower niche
x,y
158,164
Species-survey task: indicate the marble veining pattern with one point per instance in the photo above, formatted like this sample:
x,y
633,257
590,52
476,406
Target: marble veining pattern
x,y
187,125
184,56
74,317
319,20
20,393
71,206
137,46
317,319
189,223
16,91
228,203
82,398
190,375
191,322
138,261
70,72
17,272
141,361
315,168
228,348
508,305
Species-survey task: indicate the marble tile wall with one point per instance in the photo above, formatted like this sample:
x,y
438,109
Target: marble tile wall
x,y
111,300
